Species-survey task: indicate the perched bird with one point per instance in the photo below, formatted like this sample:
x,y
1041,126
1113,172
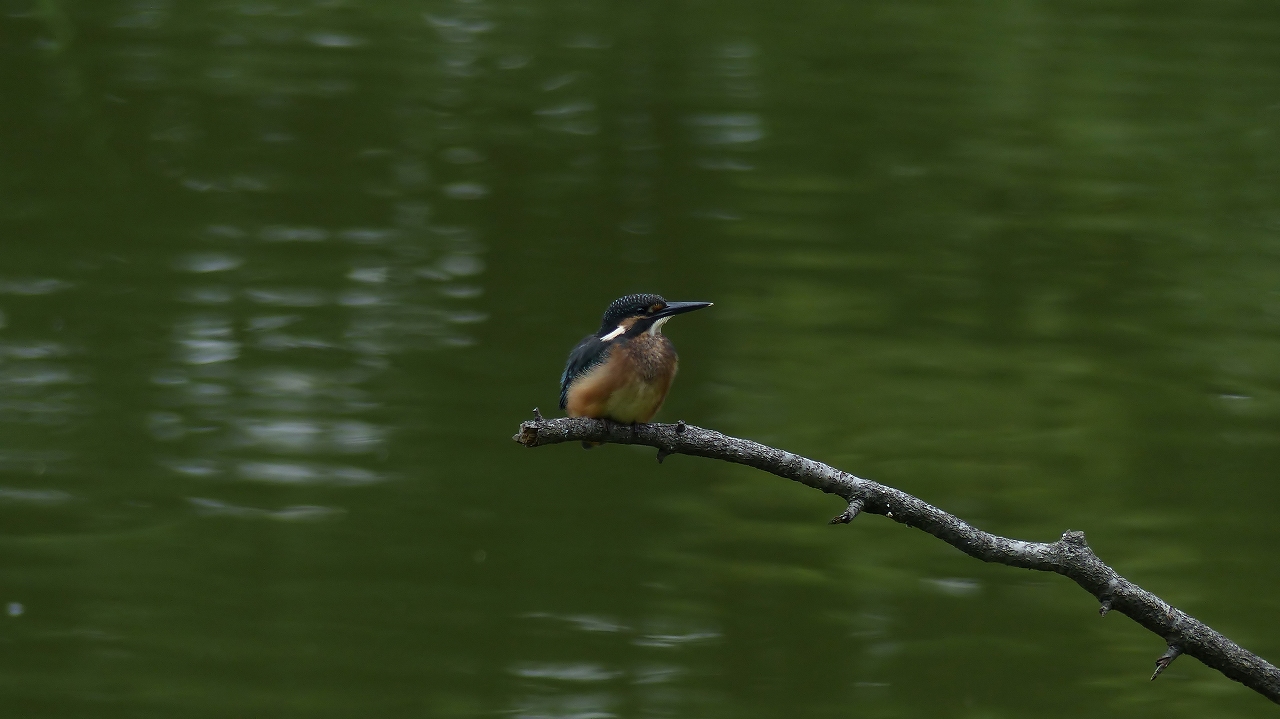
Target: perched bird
x,y
624,370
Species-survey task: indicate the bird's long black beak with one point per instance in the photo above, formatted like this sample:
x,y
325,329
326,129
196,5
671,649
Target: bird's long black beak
x,y
676,308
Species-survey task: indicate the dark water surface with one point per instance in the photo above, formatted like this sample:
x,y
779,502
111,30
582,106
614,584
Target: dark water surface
x,y
279,279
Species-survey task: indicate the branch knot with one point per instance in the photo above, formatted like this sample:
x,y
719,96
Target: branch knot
x,y
1173,652
855,507
528,434
1074,539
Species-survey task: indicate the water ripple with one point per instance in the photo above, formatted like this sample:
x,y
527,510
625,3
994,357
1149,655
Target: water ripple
x,y
43,286
293,513
567,672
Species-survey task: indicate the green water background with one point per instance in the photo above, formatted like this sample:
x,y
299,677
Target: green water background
x,y
278,280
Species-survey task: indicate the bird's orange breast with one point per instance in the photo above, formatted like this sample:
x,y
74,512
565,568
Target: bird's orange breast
x,y
630,385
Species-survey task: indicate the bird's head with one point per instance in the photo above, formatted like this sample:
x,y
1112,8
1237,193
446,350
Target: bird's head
x,y
635,314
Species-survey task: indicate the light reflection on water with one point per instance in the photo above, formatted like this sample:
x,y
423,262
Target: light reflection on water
x,y
41,392
272,386
247,390
593,689
289,324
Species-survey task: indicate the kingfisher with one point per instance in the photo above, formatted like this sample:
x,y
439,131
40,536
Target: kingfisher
x,y
624,371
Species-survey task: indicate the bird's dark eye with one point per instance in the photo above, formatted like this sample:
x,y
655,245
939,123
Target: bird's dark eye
x,y
654,308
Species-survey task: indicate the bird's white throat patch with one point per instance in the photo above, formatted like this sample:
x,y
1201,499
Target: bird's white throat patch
x,y
654,329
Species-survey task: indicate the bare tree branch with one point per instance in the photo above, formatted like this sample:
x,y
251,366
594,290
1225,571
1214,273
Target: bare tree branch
x,y
1070,556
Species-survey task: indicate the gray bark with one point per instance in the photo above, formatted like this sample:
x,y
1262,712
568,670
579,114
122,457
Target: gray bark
x,y
1070,556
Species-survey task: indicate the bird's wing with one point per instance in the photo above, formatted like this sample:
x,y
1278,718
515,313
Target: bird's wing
x,y
589,353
